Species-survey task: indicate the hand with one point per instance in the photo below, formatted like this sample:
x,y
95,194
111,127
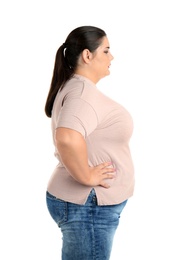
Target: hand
x,y
100,173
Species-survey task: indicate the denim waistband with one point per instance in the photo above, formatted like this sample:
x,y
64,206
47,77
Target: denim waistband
x,y
91,199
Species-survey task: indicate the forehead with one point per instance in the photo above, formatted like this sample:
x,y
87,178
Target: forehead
x,y
104,43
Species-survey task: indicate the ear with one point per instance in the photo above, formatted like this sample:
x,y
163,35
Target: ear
x,y
87,55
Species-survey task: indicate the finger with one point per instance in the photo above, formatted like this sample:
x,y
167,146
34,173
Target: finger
x,y
105,185
104,165
108,176
108,170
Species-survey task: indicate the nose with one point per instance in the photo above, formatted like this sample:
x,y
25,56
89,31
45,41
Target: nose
x,y
112,57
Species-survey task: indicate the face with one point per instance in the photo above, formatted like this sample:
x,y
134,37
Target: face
x,y
101,60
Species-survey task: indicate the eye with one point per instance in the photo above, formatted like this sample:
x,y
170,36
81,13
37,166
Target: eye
x,y
106,50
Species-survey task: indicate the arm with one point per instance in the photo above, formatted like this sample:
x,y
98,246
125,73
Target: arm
x,y
73,153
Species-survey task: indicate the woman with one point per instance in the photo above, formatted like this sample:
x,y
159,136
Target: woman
x,y
94,177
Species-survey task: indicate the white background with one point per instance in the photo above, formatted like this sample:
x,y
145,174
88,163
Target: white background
x,y
142,36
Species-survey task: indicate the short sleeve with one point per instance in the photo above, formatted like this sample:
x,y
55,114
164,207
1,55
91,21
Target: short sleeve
x,y
79,115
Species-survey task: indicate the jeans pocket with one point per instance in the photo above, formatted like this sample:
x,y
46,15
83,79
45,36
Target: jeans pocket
x,y
57,208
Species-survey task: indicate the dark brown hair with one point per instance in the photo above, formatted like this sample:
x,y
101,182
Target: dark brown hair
x,y
84,37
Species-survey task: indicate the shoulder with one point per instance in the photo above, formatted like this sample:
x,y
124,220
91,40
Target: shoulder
x,y
82,89
79,87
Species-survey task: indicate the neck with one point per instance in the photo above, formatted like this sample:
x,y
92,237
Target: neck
x,y
87,74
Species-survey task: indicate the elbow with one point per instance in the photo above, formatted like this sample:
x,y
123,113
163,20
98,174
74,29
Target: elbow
x,y
62,140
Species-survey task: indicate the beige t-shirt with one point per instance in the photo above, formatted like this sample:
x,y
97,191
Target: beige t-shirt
x,y
107,127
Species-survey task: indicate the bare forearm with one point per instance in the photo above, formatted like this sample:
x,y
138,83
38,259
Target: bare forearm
x,y
73,153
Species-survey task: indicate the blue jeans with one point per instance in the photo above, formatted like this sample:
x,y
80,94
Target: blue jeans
x,y
87,230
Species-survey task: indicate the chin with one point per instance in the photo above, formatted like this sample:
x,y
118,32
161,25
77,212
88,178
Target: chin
x,y
106,74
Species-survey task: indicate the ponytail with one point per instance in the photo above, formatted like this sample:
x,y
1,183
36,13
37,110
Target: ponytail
x,y
61,73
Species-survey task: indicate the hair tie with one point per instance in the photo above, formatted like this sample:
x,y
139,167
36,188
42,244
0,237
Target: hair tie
x,y
64,48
